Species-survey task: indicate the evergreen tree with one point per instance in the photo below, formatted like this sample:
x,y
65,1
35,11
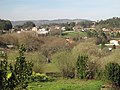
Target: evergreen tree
x,y
113,73
82,66
5,25
3,70
20,72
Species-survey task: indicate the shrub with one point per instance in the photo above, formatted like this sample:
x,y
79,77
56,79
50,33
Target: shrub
x,y
37,77
20,72
86,69
82,66
112,71
3,71
29,39
94,70
39,62
65,63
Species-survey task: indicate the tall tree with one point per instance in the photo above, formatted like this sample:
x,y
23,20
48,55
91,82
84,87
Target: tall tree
x,y
3,70
5,24
29,24
82,66
20,72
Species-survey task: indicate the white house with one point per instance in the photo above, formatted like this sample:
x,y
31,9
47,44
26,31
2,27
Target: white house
x,y
22,30
73,28
114,42
63,29
18,32
43,31
57,27
34,29
105,30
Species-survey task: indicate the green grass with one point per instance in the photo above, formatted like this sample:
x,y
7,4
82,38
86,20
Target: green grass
x,y
13,54
33,56
67,85
50,67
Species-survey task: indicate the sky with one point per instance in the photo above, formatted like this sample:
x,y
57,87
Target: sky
x,y
59,9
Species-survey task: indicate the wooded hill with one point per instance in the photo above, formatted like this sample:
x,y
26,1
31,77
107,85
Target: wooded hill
x,y
109,23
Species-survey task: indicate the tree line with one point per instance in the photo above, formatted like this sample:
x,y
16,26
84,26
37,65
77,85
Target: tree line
x,y
110,23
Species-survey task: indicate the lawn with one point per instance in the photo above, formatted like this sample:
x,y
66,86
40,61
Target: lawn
x,y
50,67
72,84
34,57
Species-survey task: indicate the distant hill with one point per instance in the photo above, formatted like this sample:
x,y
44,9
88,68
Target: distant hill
x,y
41,22
109,23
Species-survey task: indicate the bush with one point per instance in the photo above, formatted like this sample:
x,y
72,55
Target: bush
x,y
20,72
3,71
29,39
86,69
39,62
66,64
82,66
37,77
94,70
112,71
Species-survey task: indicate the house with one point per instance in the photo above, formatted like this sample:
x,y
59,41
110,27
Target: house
x,y
73,28
114,42
94,24
57,27
26,29
105,30
34,29
18,32
63,28
42,31
22,30
83,30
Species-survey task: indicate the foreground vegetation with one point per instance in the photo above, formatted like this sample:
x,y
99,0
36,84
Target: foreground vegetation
x,y
81,59
73,84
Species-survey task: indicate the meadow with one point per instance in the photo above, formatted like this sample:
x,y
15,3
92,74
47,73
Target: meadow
x,y
65,84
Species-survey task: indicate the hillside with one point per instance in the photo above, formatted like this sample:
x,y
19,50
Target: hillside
x,y
110,23
57,21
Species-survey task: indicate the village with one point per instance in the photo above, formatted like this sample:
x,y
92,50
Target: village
x,y
70,28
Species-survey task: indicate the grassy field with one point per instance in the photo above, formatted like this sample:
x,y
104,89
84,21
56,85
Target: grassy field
x,y
35,58
72,84
50,67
